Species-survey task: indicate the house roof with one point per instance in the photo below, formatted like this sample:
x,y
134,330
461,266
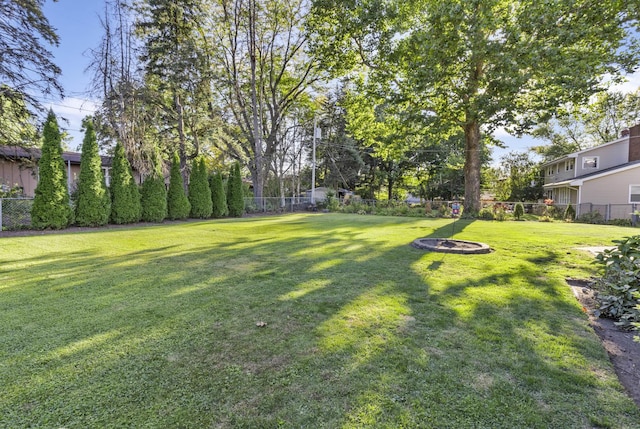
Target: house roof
x,y
577,181
17,152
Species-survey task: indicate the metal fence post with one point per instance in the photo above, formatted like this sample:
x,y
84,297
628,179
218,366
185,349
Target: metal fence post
x,y
1,202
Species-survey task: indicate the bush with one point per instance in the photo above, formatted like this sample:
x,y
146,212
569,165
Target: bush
x,y
154,199
51,205
569,213
218,196
93,203
618,291
591,217
178,206
518,211
125,196
235,197
486,213
199,192
331,202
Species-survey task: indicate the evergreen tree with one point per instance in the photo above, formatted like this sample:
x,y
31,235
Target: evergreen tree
x,y
125,196
199,192
218,196
154,199
154,194
51,208
178,206
93,204
235,199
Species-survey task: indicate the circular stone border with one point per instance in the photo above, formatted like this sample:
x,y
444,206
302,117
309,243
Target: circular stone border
x,y
449,245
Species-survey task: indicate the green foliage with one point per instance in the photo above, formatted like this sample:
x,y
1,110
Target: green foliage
x,y
93,203
178,206
199,191
235,197
569,213
518,211
154,199
619,287
218,196
591,217
125,196
332,204
51,205
486,213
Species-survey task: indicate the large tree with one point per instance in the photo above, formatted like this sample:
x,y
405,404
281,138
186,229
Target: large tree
x,y
177,69
262,68
27,70
580,126
480,64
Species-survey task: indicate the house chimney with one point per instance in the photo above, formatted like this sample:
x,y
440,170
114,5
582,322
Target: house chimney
x,y
634,143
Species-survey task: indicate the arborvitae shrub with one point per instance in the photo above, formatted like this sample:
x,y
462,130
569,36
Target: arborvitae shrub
x,y
178,206
199,192
125,196
218,196
518,211
93,203
154,199
51,208
235,198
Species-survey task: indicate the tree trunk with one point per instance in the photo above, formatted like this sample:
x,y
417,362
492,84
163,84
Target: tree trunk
x,y
258,175
472,168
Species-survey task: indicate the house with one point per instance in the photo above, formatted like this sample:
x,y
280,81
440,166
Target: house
x,y
606,176
19,167
320,193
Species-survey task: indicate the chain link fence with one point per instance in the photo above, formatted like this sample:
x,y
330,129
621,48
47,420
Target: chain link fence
x,y
15,213
277,205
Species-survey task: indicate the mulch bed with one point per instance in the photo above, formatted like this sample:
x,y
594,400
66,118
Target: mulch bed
x,y
623,351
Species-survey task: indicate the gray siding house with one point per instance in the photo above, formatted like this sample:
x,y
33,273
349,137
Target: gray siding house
x,y
605,176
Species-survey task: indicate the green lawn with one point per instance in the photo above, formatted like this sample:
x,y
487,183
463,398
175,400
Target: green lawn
x,y
156,327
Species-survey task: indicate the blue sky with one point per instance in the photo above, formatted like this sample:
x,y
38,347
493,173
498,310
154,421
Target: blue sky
x,y
78,25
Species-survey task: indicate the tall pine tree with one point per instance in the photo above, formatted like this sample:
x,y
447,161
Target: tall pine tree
x,y
199,192
93,204
125,197
235,197
218,196
51,208
178,206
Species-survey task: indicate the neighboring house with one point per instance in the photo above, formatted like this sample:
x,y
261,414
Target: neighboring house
x,y
19,167
320,193
605,175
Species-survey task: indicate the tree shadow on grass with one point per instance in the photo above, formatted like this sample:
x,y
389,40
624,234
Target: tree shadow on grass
x,y
356,334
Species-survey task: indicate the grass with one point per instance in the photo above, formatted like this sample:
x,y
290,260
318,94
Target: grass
x,y
156,327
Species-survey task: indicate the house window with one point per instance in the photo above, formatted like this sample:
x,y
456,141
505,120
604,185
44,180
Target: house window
x,y
634,193
590,162
569,165
550,171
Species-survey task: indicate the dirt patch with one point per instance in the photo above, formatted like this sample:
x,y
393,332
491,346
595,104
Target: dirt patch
x,y
623,351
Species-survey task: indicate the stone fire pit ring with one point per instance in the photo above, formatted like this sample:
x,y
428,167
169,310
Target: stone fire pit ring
x,y
449,245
